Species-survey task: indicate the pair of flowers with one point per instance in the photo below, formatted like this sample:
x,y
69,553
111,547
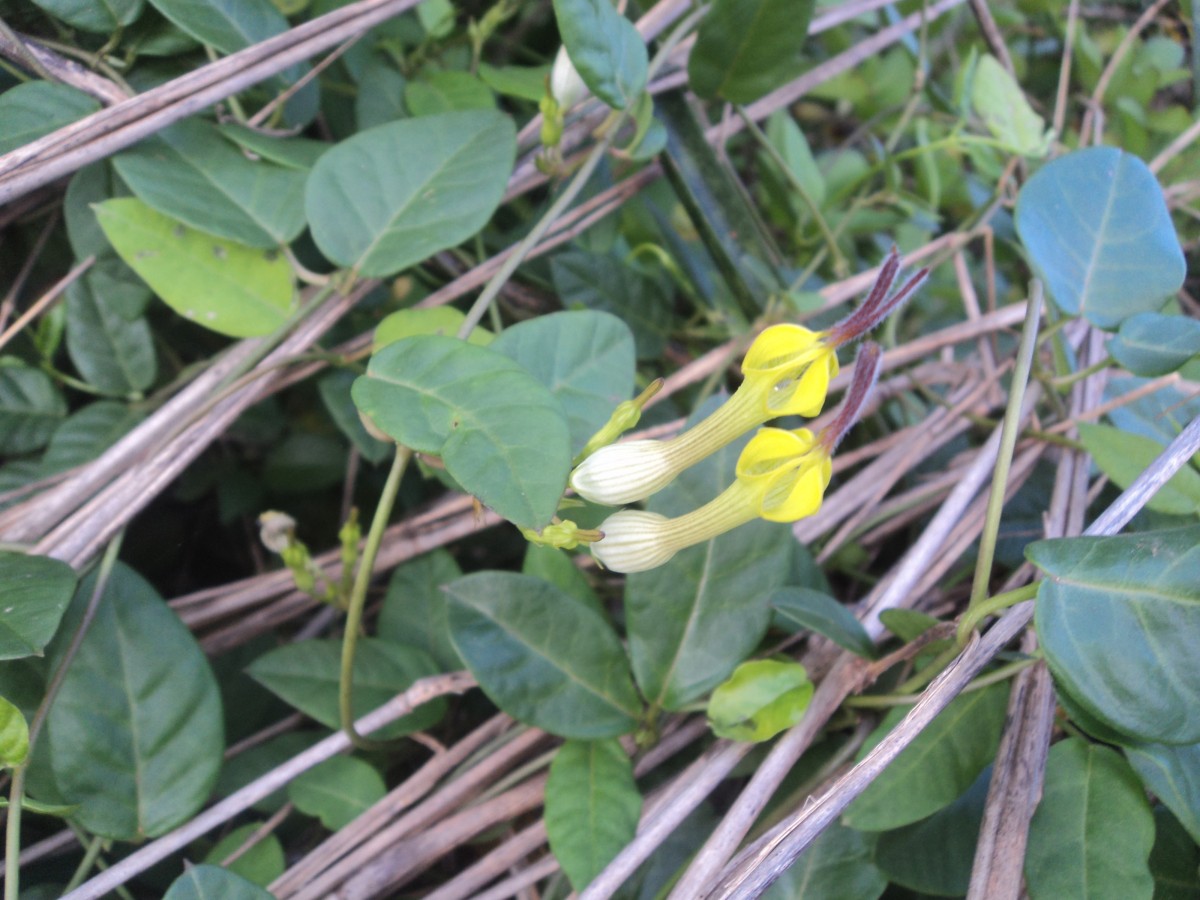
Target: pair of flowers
x,y
781,474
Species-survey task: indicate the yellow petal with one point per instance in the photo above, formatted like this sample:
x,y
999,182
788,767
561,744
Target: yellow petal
x,y
796,495
782,346
804,395
773,449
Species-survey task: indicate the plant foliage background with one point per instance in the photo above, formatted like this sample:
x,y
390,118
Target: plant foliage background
x,y
309,307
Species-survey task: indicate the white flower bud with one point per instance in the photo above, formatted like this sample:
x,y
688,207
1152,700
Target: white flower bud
x,y
634,541
566,87
624,473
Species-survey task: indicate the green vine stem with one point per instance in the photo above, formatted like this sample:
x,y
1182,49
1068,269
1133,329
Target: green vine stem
x,y
887,701
989,607
12,837
1008,441
358,599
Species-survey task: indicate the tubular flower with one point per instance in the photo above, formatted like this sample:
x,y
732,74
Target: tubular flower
x,y
781,477
787,372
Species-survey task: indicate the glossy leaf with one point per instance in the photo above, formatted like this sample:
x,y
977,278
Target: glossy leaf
x,y
1153,344
1097,230
605,48
31,408
414,609
1117,619
694,619
1171,773
599,282
226,287
937,767
935,856
337,790
1000,102
541,657
746,48
394,195
1093,830
209,882
113,354
586,359
306,674
804,608
836,866
1123,457
501,434
36,108
34,593
190,172
592,807
334,389
760,699
14,736
136,734
261,864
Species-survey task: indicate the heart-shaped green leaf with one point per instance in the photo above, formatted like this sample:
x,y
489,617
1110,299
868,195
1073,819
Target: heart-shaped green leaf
x,y
1117,619
396,194
1097,230
501,433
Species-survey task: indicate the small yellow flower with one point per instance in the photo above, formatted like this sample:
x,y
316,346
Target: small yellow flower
x,y
781,477
787,372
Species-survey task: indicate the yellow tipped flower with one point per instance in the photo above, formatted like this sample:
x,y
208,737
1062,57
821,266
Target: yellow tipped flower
x,y
787,369
781,477
787,372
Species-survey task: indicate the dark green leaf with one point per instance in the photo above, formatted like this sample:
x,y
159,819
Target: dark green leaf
x,y
36,108
291,152
337,790
760,699
1174,861
586,359
228,25
1153,344
592,807
523,82
501,434
837,866
260,759
1096,228
31,408
605,48
136,731
694,619
805,608
102,17
113,354
261,864
414,610
443,320
34,593
190,172
541,657
14,736
602,282
91,184
935,855
380,95
1117,619
306,674
209,882
746,48
123,292
937,767
87,433
447,91
1172,773
1123,457
557,567
334,389
398,193
227,287
1093,830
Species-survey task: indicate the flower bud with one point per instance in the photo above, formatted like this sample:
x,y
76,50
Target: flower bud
x,y
566,87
